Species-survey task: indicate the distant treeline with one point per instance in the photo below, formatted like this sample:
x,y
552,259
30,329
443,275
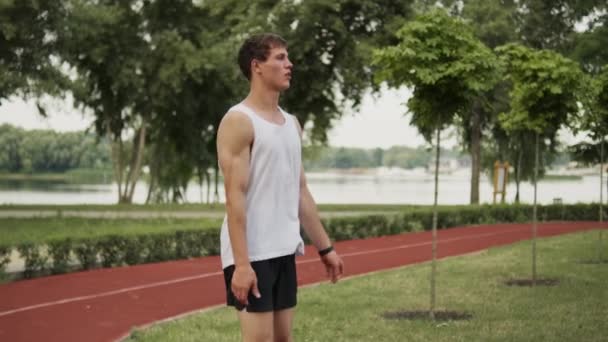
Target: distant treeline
x,y
322,158
47,151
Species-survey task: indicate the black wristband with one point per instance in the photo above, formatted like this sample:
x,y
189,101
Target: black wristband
x,y
326,251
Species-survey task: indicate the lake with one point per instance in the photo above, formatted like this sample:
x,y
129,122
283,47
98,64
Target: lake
x,y
404,187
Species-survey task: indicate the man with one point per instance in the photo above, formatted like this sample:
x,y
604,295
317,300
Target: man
x,y
259,152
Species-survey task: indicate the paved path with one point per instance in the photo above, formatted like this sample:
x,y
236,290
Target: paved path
x,y
103,305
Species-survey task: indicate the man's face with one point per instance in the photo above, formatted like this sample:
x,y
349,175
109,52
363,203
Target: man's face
x,y
276,70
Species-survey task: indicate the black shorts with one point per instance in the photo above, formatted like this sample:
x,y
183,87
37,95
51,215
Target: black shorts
x,y
277,282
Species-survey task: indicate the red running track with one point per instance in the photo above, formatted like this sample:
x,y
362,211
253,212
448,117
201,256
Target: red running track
x,y
104,305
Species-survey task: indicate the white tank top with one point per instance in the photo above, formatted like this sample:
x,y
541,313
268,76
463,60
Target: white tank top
x,y
273,194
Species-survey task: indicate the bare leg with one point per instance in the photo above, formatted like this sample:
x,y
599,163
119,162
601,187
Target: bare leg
x,y
283,322
256,327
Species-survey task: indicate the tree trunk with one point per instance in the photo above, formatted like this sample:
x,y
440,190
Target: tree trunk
x,y
153,174
135,170
116,152
599,242
534,224
201,182
518,175
150,188
125,197
117,162
208,181
475,153
434,244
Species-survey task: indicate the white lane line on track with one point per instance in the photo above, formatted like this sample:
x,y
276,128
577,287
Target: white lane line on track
x,y
207,275
109,293
380,250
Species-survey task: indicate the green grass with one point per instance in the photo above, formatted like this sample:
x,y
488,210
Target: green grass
x,y
34,177
194,207
87,176
575,310
18,230
561,177
116,207
212,207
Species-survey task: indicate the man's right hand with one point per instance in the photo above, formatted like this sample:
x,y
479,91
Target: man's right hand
x,y
243,281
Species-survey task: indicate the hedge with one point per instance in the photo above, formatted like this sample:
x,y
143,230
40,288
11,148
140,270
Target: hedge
x,y
5,258
420,219
67,255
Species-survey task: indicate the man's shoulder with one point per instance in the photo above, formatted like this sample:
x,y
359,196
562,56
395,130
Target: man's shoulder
x,y
236,122
236,115
238,110
295,120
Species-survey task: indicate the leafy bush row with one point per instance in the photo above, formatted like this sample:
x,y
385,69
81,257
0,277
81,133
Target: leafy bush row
x,y
116,250
420,219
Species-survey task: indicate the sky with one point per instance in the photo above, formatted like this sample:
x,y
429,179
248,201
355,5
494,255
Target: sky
x,y
61,117
380,121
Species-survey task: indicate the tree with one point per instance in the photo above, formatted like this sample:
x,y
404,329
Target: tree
x,y
536,23
544,96
493,23
47,151
550,24
28,41
187,88
448,67
10,143
105,46
589,46
595,122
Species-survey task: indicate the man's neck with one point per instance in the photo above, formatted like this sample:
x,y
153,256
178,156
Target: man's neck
x,y
263,100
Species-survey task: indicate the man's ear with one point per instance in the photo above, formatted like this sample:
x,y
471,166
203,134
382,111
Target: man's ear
x,y
255,66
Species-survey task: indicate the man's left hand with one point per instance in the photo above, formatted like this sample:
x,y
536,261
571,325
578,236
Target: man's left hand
x,y
333,265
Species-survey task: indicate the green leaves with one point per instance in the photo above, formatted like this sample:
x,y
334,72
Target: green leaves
x,y
447,66
330,45
547,88
28,40
594,111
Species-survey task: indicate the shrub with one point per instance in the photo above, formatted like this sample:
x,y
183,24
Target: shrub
x,y
5,258
60,252
112,250
161,247
188,244
211,242
135,250
35,260
86,251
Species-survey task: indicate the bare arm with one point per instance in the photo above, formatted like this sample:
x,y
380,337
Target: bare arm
x,y
309,216
311,221
234,138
